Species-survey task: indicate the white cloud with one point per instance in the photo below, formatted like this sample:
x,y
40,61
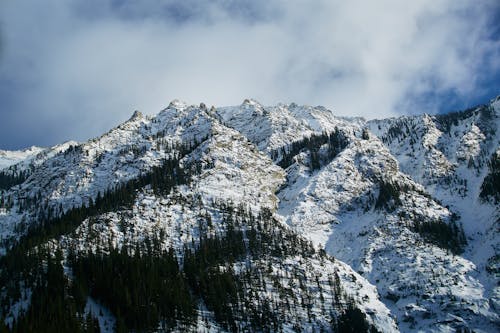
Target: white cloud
x,y
80,62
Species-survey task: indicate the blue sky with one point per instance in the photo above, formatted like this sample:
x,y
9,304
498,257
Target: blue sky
x,y
73,69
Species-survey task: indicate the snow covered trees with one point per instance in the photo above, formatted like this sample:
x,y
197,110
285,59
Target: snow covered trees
x,y
322,149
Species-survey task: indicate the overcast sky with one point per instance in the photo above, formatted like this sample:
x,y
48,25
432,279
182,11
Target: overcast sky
x,y
72,69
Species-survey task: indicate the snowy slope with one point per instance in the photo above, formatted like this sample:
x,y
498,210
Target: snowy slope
x,y
12,162
232,170
75,176
278,126
335,207
366,201
449,155
8,158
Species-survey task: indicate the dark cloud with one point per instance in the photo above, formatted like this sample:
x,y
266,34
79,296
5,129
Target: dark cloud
x,y
73,69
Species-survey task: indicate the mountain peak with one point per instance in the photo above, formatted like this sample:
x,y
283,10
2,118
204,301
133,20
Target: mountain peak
x,y
250,101
177,104
136,115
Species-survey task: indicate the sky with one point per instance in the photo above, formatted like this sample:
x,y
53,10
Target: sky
x,y
73,69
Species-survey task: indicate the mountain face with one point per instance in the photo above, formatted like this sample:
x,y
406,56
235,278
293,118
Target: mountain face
x,y
252,218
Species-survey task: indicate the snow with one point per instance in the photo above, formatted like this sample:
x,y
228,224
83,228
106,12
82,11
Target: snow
x,y
8,158
452,165
237,171
270,128
105,318
18,307
391,271
27,159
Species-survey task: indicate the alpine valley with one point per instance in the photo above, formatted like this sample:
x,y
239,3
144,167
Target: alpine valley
x,y
256,219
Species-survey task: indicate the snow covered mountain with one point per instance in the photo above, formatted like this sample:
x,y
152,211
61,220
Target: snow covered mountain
x,y
27,159
277,218
8,158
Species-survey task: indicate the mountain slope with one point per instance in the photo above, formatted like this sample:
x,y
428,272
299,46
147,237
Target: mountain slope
x,y
197,185
182,217
453,158
8,158
263,219
361,209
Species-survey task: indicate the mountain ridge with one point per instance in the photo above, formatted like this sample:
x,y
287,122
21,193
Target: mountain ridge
x,y
387,197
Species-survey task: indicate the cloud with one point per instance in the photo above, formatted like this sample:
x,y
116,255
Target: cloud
x,y
73,69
